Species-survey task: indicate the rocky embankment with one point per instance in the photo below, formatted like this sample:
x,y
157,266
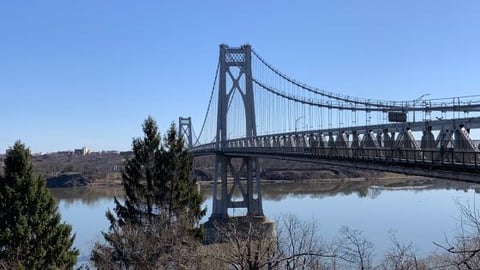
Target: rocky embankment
x,y
68,180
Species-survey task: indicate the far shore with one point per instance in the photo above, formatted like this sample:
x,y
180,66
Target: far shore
x,y
103,183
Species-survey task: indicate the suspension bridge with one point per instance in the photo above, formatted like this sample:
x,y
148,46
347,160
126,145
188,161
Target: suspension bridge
x,y
256,111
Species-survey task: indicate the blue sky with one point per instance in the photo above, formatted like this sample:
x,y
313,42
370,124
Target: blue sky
x,y
87,73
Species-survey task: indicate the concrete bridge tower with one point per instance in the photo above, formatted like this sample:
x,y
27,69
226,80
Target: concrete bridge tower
x,y
235,77
185,130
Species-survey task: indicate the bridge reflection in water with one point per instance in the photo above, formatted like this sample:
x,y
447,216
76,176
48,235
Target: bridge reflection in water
x,y
419,211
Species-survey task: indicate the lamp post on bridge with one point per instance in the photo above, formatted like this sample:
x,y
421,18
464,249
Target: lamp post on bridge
x,y
415,101
296,122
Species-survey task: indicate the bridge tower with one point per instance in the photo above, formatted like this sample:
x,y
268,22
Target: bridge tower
x,y
185,130
235,77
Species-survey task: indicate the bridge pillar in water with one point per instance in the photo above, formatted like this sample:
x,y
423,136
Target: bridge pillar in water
x,y
235,78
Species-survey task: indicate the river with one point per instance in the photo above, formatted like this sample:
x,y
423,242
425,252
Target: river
x,y
418,211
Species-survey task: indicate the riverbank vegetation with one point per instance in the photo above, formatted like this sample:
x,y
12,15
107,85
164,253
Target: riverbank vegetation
x,y
297,244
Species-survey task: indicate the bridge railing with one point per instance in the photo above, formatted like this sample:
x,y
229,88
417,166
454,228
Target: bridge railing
x,y
431,157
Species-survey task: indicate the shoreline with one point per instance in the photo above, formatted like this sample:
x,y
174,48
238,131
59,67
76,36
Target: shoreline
x,y
114,183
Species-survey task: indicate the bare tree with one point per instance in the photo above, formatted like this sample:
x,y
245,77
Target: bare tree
x,y
295,245
354,250
463,251
299,245
401,256
244,245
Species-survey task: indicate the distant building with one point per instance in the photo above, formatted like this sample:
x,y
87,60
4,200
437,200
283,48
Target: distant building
x,y
81,152
110,152
119,168
64,153
126,153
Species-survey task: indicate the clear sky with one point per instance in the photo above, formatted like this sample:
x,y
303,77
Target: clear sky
x,y
87,73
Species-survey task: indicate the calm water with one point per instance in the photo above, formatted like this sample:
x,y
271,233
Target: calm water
x,y
419,212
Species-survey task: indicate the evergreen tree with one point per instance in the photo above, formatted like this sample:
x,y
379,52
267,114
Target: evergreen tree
x,y
31,233
157,180
140,180
176,168
161,201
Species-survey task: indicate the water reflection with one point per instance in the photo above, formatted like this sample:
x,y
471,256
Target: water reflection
x,y
420,210
88,196
362,188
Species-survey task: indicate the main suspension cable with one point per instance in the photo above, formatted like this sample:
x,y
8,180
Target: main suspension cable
x,y
209,102
349,99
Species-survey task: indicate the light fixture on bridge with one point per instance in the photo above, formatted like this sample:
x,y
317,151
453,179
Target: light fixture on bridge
x,y
415,101
296,122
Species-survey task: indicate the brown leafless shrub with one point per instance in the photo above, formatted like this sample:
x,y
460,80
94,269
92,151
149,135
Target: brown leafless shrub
x,y
295,245
158,246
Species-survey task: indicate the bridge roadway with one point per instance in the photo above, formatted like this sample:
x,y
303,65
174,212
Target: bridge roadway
x,y
387,147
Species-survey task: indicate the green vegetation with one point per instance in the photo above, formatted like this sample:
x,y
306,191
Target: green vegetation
x,y
31,235
158,223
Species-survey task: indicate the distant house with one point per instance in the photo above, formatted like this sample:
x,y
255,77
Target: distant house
x,y
126,153
64,153
119,168
81,152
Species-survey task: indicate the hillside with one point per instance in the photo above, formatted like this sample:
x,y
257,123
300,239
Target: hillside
x,y
67,169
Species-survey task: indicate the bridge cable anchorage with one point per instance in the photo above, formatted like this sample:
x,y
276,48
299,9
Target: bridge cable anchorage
x,y
209,103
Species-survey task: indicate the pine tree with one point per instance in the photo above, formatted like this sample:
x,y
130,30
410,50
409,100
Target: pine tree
x,y
161,201
140,179
177,166
157,180
31,233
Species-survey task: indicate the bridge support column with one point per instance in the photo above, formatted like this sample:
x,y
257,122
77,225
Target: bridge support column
x,y
235,78
243,184
185,130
